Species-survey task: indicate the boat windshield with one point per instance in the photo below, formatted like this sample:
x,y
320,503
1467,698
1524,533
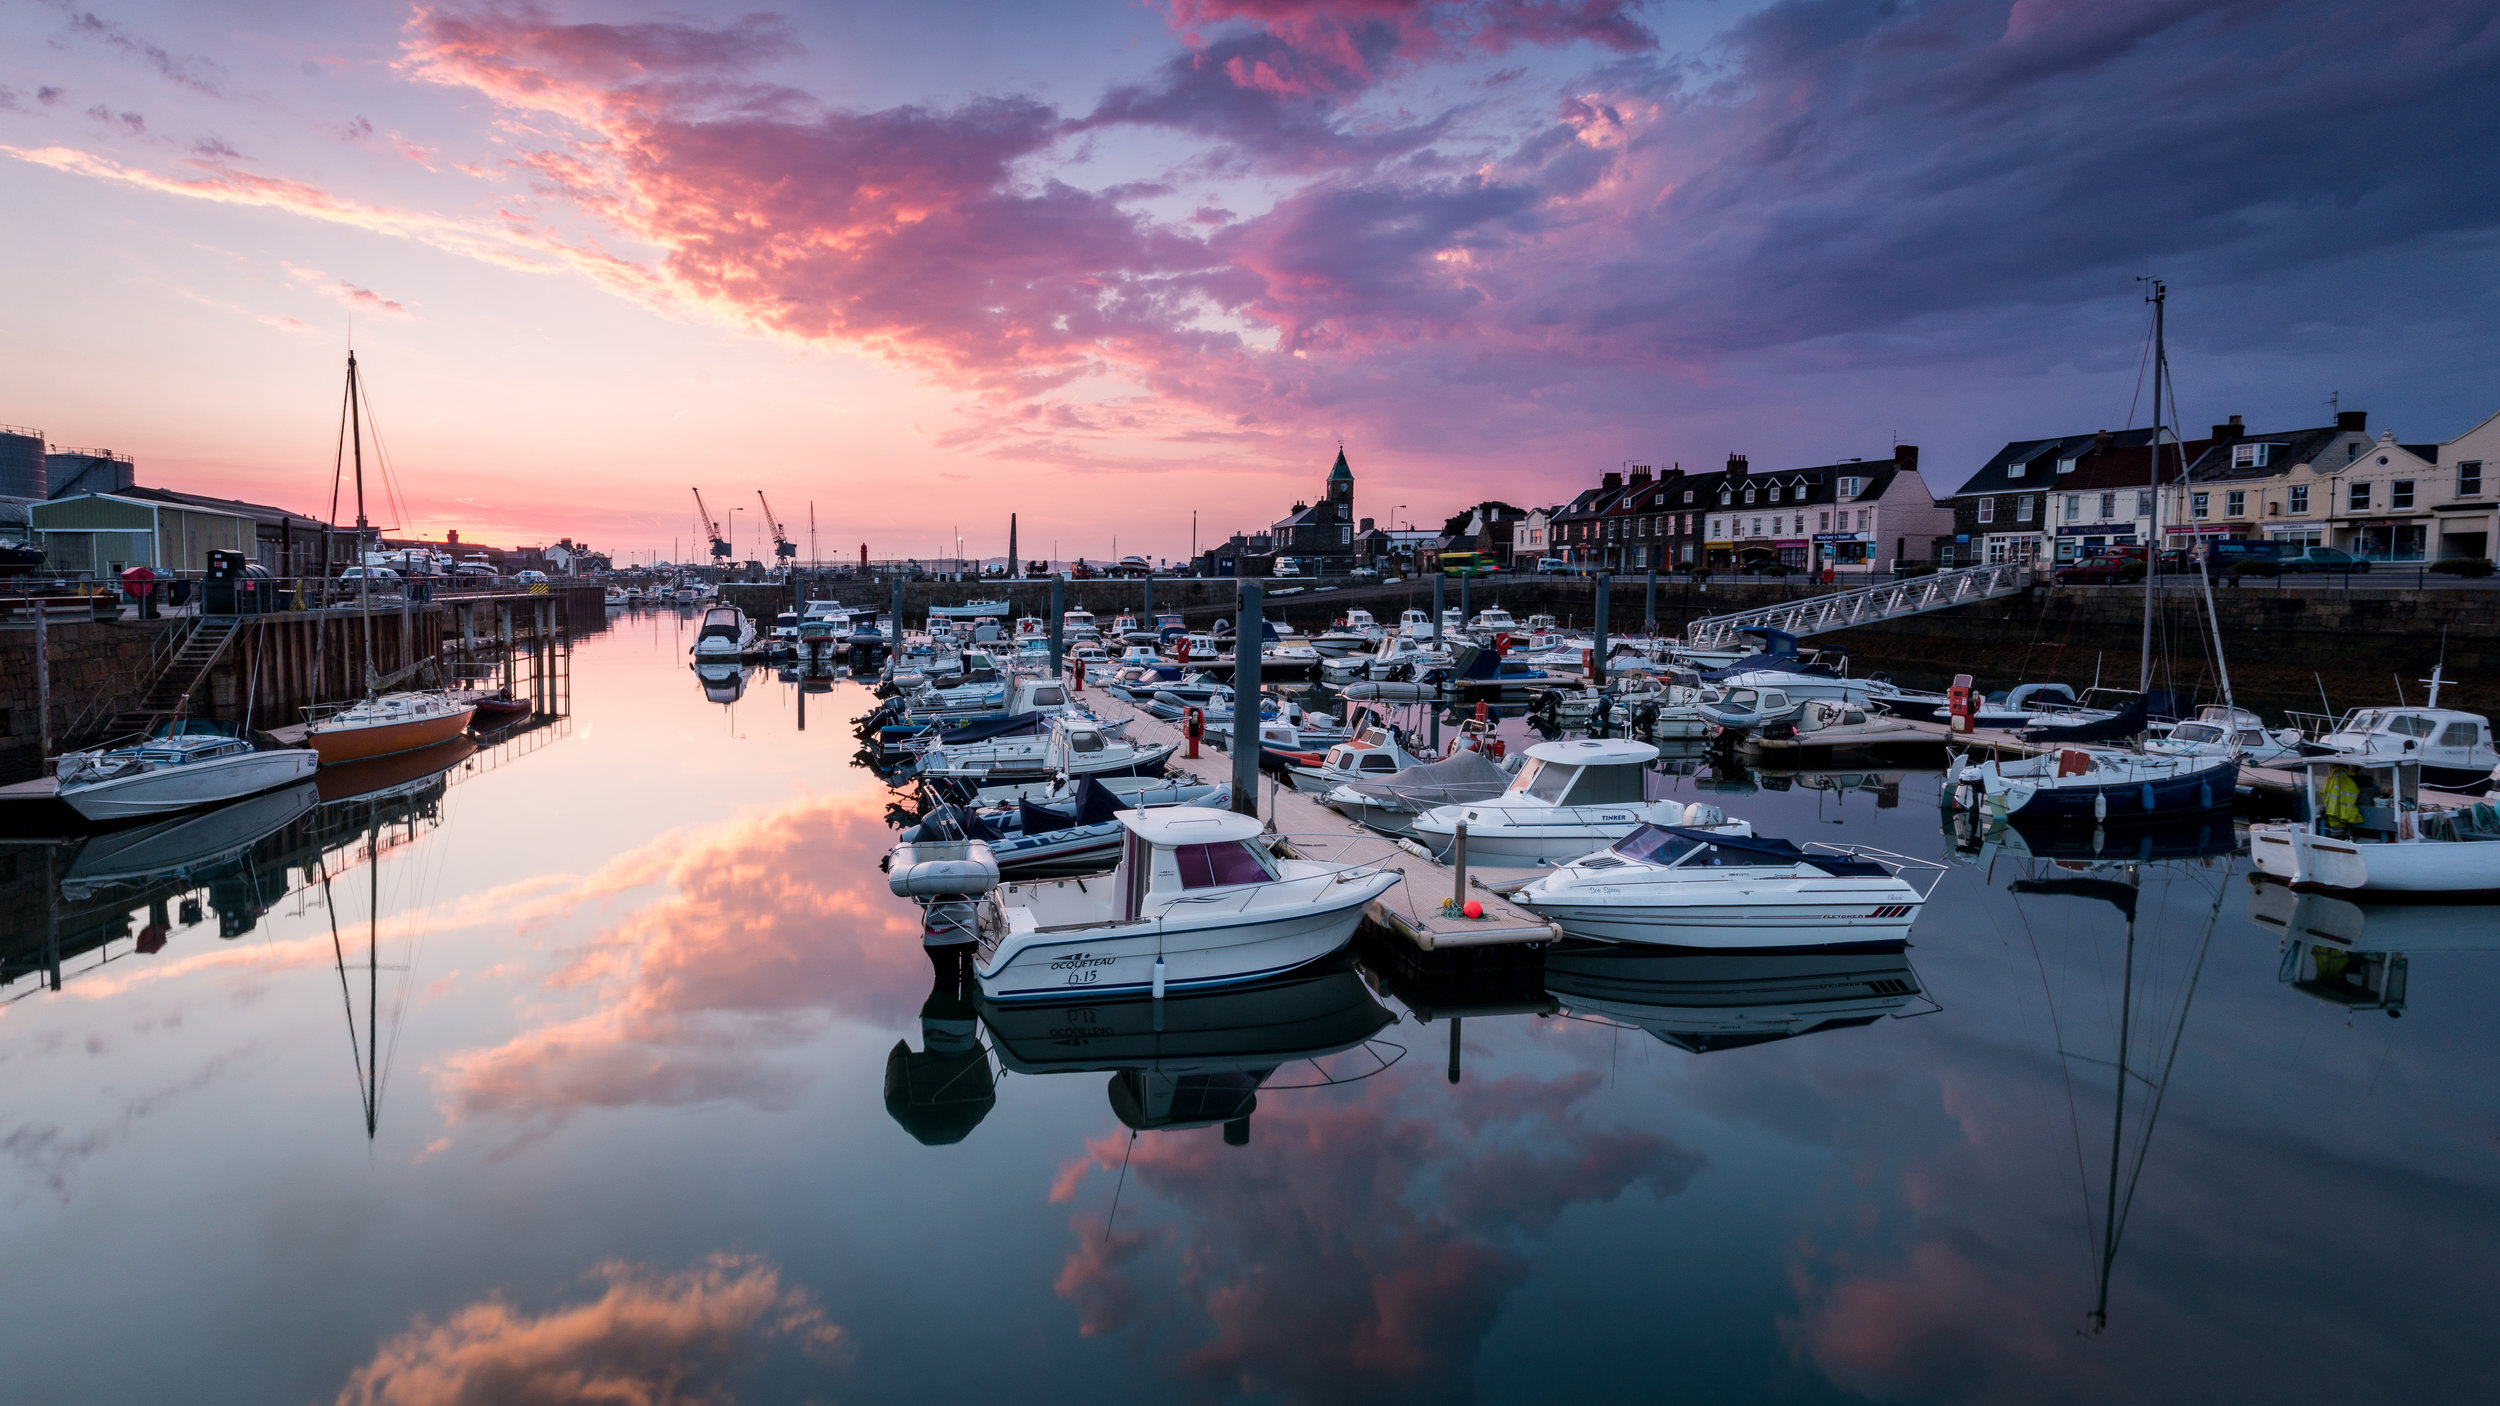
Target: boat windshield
x,y
1545,780
1652,845
2196,732
1218,865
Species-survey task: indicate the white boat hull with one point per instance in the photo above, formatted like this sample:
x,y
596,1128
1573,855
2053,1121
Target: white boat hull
x,y
2325,864
1530,836
1215,949
1748,917
191,785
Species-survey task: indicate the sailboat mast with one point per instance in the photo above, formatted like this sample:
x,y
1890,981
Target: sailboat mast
x,y
2152,543
373,972
2117,1122
364,572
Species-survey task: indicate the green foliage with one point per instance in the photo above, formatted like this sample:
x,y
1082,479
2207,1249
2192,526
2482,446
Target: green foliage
x,y
2463,566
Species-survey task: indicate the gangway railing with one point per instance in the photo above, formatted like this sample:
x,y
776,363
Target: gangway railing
x,y
1869,605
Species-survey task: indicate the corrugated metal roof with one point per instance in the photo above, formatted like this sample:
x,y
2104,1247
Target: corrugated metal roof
x,y
92,512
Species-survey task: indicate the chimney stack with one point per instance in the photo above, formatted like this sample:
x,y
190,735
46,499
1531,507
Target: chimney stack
x,y
2100,441
1367,524
1610,481
1736,465
1905,458
2224,434
1640,474
2355,420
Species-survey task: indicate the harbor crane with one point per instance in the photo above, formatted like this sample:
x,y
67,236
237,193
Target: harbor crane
x,y
785,551
720,545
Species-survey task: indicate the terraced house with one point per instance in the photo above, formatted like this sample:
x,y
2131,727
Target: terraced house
x,y
2331,485
2015,507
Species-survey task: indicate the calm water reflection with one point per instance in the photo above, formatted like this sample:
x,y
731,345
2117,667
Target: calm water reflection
x,y
601,1061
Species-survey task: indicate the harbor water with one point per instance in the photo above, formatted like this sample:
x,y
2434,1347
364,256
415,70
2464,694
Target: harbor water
x,y
601,1064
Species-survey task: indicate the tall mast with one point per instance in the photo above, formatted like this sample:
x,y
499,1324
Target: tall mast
x,y
364,573
2152,545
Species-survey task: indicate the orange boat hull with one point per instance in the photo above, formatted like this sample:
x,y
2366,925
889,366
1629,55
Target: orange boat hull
x,y
359,744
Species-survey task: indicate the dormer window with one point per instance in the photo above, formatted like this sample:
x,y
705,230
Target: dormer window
x,y
1748,497
1688,495
1723,498
1851,487
2251,456
2066,463
2015,469
1775,493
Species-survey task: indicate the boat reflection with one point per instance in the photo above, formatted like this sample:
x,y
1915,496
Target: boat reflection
x,y
2199,837
722,682
1710,1001
942,1091
2359,955
1192,1061
186,849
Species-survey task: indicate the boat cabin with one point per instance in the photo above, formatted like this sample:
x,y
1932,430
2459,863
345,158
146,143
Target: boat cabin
x,y
1360,621
2370,798
1496,619
1414,624
1584,772
1372,753
2441,737
723,622
1079,624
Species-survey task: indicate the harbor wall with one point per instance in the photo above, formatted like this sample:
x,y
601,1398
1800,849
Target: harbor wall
x,y
276,665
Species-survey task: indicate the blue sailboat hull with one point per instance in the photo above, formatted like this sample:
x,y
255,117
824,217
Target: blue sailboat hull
x,y
2188,793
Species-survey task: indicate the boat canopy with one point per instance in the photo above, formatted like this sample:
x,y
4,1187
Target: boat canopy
x,y
1666,844
2127,722
1171,826
1593,751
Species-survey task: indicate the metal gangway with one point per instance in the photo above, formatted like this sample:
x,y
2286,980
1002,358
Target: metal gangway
x,y
1868,605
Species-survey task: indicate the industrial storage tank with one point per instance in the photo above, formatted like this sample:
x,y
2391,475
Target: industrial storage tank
x,y
71,471
21,463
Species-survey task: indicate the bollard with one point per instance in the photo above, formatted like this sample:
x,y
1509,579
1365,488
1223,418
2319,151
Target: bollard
x,y
1458,857
1246,638
1076,677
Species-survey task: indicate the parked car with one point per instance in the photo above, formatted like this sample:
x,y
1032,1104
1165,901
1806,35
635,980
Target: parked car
x,y
2326,559
1286,566
2106,569
1549,565
1365,573
532,578
382,575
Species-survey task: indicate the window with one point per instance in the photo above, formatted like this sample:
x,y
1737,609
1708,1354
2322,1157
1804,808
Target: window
x,y
2352,451
2470,479
1608,786
2461,734
2358,500
2251,456
2300,497
2235,503
2144,502
1757,527
2066,464
1688,495
1215,866
1718,529
2400,493
1548,781
1723,498
1345,534
2200,505
1749,497
2015,469
2109,506
1823,522
1863,515
2022,508
2074,507
1850,487
1775,493
1987,510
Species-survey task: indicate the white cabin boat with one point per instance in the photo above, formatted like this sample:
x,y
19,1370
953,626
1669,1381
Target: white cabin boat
x,y
1197,902
2369,835
1569,798
184,764
726,633
2454,748
1373,754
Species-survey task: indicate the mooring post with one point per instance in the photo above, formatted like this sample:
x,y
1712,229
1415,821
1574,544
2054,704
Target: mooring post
x,y
1246,639
894,641
1458,866
43,687
1058,596
1649,618
1597,656
1438,581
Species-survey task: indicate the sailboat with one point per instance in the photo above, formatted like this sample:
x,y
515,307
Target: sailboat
x,y
2077,780
379,724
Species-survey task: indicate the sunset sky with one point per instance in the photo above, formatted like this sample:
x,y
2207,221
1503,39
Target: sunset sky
x,y
1105,263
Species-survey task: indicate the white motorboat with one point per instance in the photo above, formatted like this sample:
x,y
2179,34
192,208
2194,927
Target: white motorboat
x,y
1713,883
1078,624
1824,726
969,610
2453,748
1075,746
1197,902
1391,803
184,764
1494,622
1570,797
726,633
1373,754
2220,731
1400,654
2369,835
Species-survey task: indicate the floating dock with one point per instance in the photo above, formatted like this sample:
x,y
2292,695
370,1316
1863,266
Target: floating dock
x,y
1412,909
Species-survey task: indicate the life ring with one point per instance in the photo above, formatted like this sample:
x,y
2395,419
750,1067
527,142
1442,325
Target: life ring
x,y
1501,644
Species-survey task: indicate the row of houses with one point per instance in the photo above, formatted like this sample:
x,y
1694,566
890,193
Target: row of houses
x,y
2337,485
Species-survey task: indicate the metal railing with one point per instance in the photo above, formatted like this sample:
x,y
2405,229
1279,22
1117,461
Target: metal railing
x,y
1868,605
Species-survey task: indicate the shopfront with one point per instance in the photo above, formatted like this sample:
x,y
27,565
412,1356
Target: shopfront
x,y
2081,541
1843,548
2389,541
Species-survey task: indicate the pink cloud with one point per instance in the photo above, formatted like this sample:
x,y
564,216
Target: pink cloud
x,y
649,1337
755,943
